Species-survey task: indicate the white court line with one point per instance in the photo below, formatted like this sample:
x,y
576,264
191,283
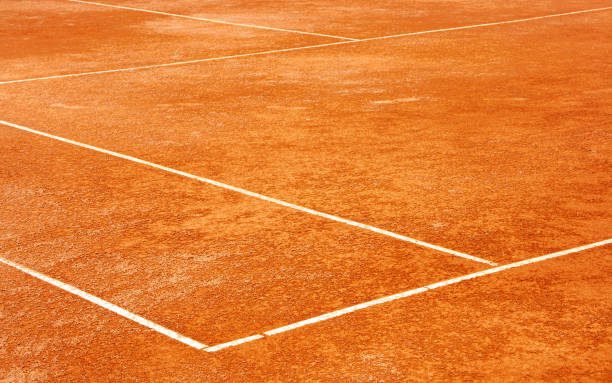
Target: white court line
x,y
274,51
404,294
212,20
107,305
487,24
234,343
171,64
253,194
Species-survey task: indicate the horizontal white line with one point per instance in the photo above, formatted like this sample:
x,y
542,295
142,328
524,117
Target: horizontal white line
x,y
107,305
252,194
274,51
211,20
419,290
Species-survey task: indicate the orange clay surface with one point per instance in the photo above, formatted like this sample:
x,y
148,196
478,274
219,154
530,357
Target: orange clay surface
x,y
493,141
361,19
42,38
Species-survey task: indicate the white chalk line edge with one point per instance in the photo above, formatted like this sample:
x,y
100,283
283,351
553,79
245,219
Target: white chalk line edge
x,y
211,20
404,294
274,51
195,344
107,305
254,195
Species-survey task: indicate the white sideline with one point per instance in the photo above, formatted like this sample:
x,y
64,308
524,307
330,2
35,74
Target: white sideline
x,y
274,51
211,20
107,305
253,194
404,294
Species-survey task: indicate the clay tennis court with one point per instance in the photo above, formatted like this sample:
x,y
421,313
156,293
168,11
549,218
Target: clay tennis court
x,y
325,191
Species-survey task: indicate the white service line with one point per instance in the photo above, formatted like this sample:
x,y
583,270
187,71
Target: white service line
x,y
212,20
274,51
253,194
404,294
107,305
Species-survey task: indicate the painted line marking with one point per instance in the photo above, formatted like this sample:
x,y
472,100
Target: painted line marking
x,y
487,24
107,305
234,343
405,294
211,20
274,51
253,194
175,63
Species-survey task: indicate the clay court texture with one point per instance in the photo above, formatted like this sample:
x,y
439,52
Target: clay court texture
x,y
305,191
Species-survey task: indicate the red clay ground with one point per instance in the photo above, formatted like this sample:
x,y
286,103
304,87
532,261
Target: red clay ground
x,y
487,141
492,141
545,322
42,38
210,264
362,19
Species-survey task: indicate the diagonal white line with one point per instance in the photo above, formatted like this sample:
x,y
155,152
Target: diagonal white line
x,y
274,51
171,64
107,305
405,294
211,20
253,194
234,343
487,24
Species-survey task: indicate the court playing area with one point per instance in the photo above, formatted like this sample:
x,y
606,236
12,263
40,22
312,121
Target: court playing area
x,y
305,191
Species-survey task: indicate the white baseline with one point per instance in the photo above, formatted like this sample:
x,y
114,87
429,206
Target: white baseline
x,y
403,294
275,51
